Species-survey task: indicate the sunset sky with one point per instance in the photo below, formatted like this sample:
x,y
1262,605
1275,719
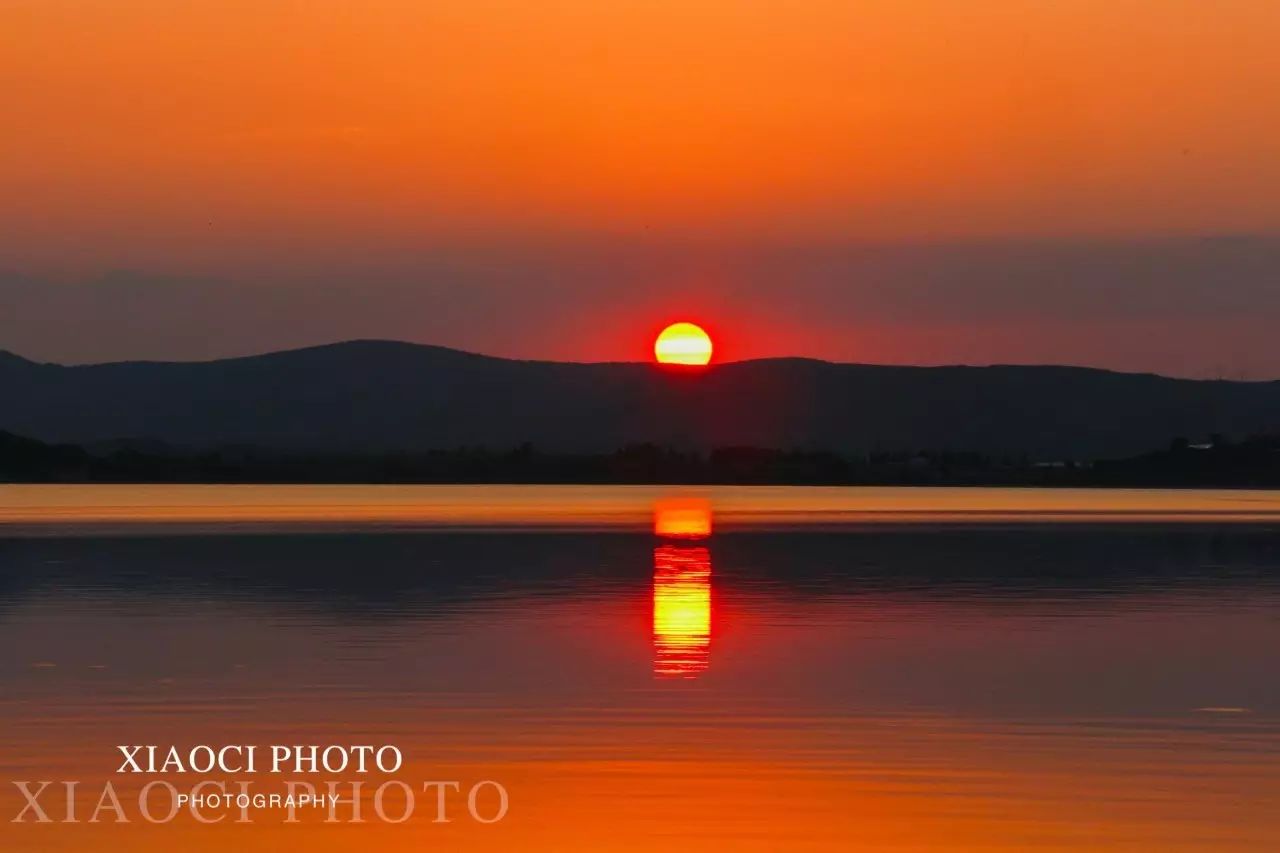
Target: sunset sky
x,y
916,181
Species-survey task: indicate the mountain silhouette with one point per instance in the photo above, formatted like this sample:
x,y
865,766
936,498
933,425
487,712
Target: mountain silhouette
x,y
388,396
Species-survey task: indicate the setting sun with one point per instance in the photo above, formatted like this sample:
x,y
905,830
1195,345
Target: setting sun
x,y
682,343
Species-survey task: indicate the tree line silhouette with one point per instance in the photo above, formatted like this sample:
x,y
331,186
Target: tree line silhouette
x,y
1254,462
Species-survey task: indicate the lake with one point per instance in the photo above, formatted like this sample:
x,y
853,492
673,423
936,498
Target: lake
x,y
647,668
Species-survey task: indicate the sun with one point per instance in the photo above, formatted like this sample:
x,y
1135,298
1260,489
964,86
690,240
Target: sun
x,y
682,343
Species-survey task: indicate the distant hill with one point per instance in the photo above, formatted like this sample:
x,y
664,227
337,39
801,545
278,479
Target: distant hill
x,y
382,396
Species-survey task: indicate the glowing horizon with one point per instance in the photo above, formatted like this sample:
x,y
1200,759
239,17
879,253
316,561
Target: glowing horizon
x,y
901,182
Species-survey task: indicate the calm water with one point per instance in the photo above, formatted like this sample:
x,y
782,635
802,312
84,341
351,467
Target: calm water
x,y
642,669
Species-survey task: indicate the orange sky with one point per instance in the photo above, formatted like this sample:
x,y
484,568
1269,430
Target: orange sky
x,y
215,136
872,119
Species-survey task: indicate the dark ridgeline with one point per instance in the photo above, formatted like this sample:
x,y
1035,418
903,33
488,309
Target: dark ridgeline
x,y
407,402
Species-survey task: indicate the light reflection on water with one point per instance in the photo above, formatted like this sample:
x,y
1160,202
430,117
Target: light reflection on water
x,y
681,610
681,588
1089,687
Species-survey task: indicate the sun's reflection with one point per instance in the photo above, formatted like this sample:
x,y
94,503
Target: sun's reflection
x,y
682,518
681,589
